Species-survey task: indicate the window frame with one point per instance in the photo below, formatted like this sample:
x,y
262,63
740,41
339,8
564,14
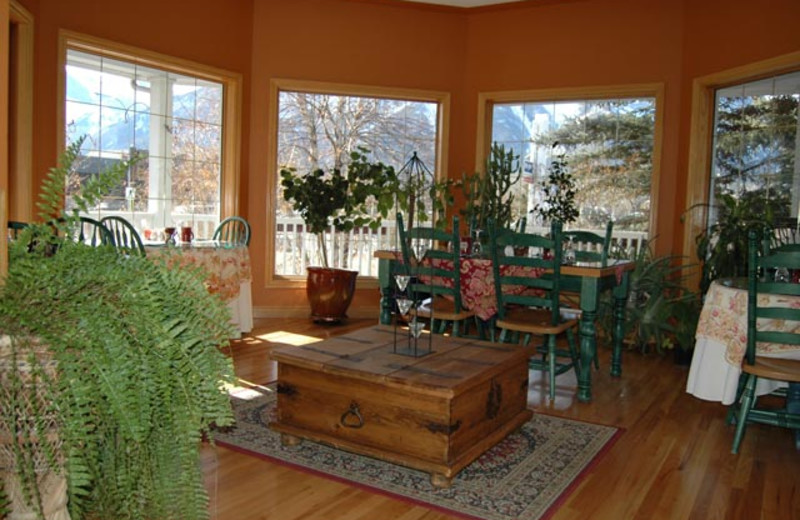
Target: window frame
x,y
442,99
230,176
698,180
487,100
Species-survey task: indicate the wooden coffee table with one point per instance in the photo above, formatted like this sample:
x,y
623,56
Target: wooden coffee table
x,y
436,413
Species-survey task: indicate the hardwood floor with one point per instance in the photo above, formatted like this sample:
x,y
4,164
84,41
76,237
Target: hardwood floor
x,y
673,460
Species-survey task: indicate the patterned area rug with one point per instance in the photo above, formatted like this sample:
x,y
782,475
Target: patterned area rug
x,y
524,477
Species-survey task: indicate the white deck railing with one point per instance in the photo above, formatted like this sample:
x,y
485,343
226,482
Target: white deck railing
x,y
295,248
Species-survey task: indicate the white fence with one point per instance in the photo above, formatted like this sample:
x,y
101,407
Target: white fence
x,y
295,248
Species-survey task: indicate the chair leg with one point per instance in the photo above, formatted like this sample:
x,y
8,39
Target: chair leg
x,y
503,335
551,359
457,328
747,403
573,351
731,417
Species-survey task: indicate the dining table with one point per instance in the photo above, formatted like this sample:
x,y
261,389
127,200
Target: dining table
x,y
227,273
588,279
721,341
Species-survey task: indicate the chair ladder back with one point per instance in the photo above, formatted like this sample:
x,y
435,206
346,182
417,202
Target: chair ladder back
x,y
124,235
234,230
440,273
93,232
509,269
770,309
589,246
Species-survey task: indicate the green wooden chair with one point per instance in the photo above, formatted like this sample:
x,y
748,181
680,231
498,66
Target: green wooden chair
x,y
15,228
767,323
92,232
124,235
528,306
234,230
589,246
437,288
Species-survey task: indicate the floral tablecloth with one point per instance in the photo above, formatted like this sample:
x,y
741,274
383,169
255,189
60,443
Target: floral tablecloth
x,y
724,319
477,283
226,266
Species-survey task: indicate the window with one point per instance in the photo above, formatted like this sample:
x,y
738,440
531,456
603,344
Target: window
x,y
317,127
609,142
174,118
755,150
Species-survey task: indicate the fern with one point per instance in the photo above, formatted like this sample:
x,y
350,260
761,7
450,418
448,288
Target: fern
x,y
139,376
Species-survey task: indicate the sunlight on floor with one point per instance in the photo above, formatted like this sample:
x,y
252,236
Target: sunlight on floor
x,y
247,393
288,338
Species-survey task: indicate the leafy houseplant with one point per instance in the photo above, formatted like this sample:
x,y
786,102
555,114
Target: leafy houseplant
x,y
361,196
489,196
722,247
662,311
559,192
111,371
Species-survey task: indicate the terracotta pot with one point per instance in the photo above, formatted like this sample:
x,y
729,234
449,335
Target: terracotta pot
x,y
330,292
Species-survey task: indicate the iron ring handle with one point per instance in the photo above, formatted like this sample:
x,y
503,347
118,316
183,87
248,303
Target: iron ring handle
x,y
346,420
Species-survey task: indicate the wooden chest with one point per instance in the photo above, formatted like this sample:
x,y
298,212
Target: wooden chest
x,y
436,413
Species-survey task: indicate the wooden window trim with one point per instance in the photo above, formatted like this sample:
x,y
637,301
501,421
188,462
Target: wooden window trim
x,y
276,86
20,132
702,132
486,100
231,104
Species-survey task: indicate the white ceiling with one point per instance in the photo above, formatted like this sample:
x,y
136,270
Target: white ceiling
x,y
464,3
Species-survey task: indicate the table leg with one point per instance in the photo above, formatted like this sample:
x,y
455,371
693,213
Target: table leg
x,y
588,336
793,406
588,333
620,303
385,268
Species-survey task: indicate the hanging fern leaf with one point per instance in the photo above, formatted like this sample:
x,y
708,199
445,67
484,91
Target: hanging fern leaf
x,y
131,377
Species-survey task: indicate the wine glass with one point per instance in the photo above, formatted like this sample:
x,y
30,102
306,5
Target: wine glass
x,y
402,281
782,275
569,252
420,249
404,305
477,248
416,327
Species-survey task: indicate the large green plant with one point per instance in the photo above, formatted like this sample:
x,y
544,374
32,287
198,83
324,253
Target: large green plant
x,y
722,247
131,376
662,311
361,196
559,191
489,195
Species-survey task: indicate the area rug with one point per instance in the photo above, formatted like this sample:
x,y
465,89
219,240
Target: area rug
x,y
524,477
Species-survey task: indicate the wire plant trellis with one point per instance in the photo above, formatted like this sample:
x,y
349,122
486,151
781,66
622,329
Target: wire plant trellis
x,y
420,182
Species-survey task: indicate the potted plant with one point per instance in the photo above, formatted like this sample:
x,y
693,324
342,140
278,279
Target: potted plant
x,y
722,246
340,200
111,373
559,192
662,311
489,195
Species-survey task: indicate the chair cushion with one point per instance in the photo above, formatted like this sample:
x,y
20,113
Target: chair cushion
x,y
775,368
534,321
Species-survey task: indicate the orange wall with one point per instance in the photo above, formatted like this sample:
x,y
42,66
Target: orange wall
x,y
382,44
584,43
541,44
210,32
725,34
